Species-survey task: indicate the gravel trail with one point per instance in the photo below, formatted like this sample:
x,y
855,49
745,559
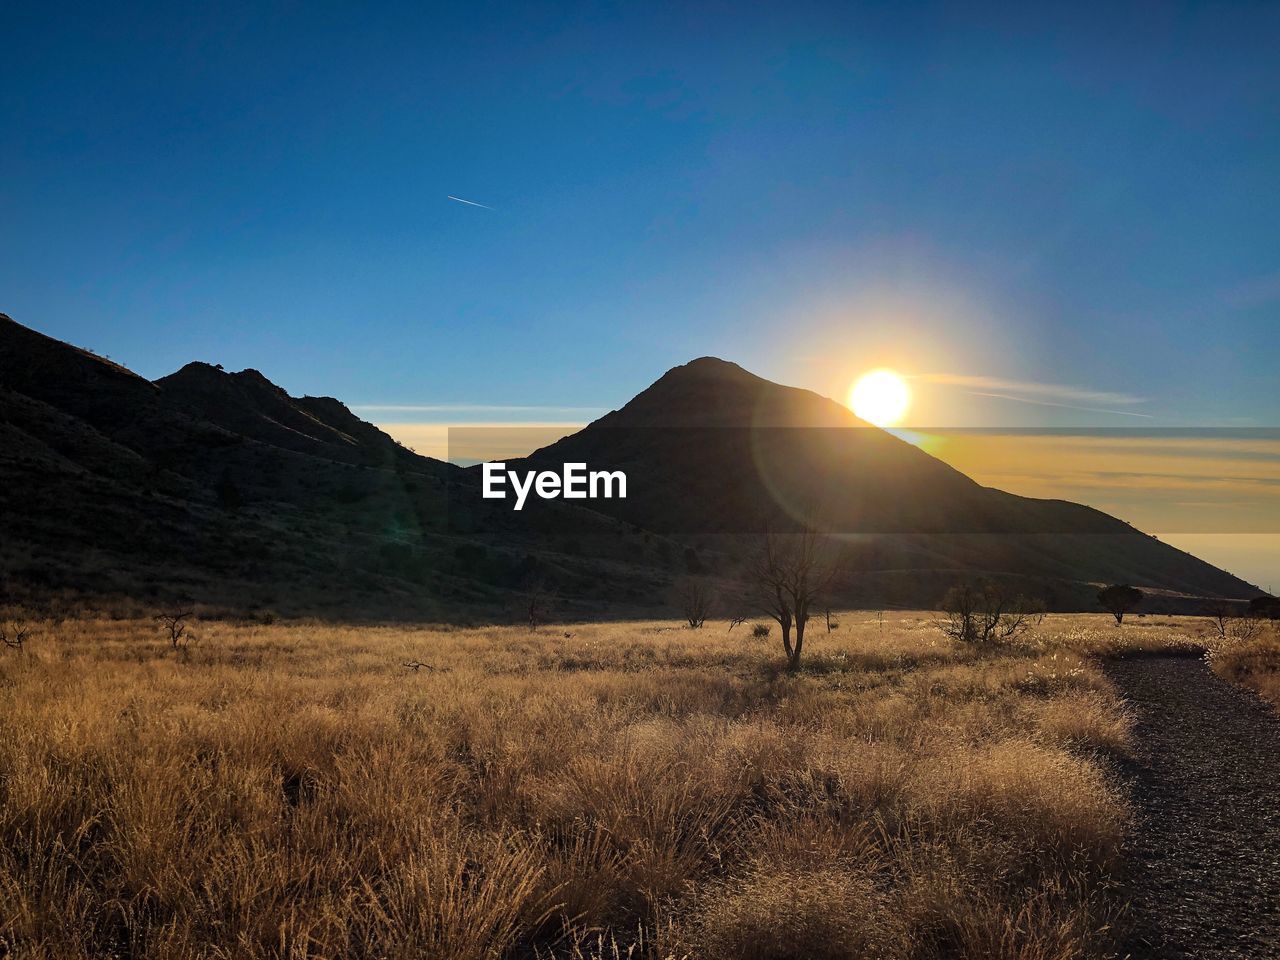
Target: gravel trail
x,y
1205,879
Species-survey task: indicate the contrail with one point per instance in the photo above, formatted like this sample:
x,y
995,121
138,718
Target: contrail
x,y
470,202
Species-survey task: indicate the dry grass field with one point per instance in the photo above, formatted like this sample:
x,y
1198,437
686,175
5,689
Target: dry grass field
x,y
1254,664
633,789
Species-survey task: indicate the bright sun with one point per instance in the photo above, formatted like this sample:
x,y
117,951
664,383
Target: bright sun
x,y
880,397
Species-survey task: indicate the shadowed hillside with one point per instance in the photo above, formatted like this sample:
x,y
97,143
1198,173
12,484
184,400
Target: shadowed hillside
x,y
711,449
221,487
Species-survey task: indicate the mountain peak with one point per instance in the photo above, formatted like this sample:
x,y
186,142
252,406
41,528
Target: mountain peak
x,y
196,369
712,368
710,392
197,373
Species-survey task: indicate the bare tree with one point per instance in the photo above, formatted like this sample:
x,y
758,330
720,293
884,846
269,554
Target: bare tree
x,y
175,624
696,597
735,621
537,604
786,578
1231,622
1119,599
960,611
14,634
1220,617
985,613
832,624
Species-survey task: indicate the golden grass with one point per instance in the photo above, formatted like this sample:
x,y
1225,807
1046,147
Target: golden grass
x,y
590,791
1253,663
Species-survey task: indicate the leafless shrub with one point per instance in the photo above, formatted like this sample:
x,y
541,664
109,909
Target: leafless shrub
x,y
175,625
14,634
538,602
1220,617
735,621
760,631
986,613
1232,623
695,597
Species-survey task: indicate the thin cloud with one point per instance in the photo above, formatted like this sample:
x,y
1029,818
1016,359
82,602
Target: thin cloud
x,y
1065,406
1054,391
467,408
470,202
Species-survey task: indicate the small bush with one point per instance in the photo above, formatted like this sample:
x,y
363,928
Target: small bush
x,y
1119,599
986,613
760,631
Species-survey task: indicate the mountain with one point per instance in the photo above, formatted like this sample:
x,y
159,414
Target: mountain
x,y
249,405
223,488
713,451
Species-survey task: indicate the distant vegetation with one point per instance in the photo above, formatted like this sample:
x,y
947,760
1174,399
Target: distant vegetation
x,y
987,613
1119,599
696,598
1244,645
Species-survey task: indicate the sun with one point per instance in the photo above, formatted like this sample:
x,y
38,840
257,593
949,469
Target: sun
x,y
880,397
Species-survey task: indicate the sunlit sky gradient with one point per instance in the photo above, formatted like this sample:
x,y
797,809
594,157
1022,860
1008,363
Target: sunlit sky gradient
x,y
1063,217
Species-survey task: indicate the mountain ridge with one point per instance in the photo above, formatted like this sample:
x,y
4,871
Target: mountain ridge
x,y
219,484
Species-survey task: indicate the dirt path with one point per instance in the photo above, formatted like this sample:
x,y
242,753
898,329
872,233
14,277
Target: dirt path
x,y
1206,786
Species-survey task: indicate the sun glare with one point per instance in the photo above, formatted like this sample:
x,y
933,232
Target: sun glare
x,y
880,397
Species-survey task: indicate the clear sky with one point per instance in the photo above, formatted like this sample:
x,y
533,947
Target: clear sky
x,y
1072,207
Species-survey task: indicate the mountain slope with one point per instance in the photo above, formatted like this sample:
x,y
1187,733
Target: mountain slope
x,y
222,487
712,449
250,405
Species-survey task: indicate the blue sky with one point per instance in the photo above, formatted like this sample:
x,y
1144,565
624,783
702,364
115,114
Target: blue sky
x,y
1067,195
1041,213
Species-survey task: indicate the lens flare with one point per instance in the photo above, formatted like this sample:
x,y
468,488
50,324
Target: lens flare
x,y
880,397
